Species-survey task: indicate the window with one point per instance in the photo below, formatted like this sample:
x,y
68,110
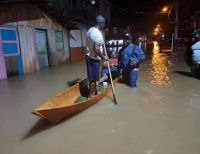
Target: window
x,y
9,41
59,41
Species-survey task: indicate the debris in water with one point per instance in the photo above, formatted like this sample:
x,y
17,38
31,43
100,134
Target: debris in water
x,y
119,123
113,131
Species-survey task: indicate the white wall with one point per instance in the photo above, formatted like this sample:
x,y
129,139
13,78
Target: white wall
x,y
75,38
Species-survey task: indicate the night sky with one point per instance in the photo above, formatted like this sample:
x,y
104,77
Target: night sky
x,y
141,5
143,14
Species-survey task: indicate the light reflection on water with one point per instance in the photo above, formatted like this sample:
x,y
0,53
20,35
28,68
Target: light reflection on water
x,y
159,69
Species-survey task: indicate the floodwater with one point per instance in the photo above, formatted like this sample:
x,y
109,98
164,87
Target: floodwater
x,y
160,116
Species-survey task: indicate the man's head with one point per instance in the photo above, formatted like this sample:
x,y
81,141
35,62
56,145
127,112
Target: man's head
x,y
100,21
127,38
197,36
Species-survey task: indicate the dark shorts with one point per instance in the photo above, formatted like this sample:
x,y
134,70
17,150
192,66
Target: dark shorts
x,y
114,73
112,69
93,67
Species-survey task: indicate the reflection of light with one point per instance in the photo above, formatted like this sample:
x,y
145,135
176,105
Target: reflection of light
x,y
160,70
155,43
156,47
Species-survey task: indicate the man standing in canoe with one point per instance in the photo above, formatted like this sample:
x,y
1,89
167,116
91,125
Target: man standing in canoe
x,y
94,54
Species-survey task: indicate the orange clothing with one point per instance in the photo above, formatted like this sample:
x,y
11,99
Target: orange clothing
x,y
113,61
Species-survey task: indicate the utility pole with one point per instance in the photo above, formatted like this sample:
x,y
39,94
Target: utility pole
x,y
176,25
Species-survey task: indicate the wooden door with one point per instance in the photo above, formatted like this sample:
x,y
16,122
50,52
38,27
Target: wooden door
x,y
41,39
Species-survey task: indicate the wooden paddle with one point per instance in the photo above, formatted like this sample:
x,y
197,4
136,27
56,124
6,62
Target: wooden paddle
x,y
113,90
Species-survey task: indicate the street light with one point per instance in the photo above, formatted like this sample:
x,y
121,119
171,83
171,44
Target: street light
x,y
93,2
165,9
156,29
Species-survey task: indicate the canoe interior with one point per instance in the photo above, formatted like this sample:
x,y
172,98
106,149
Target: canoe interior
x,y
62,105
65,98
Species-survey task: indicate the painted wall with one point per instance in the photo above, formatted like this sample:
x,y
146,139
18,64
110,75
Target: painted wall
x,y
27,18
77,42
28,51
84,36
57,57
83,29
2,67
76,45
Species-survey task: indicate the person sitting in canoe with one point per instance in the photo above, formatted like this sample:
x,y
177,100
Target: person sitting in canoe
x,y
113,61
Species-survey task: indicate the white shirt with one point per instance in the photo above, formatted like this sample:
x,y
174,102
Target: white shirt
x,y
94,35
196,52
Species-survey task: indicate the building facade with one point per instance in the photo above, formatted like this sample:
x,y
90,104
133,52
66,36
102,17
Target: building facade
x,y
29,40
37,34
189,21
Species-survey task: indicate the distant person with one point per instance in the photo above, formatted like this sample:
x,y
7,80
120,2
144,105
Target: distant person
x,y
161,42
117,44
94,54
129,58
195,67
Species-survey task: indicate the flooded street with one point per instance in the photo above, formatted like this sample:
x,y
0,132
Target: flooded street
x,y
160,116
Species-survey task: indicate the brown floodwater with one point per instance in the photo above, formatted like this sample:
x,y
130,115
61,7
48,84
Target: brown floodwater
x,y
160,116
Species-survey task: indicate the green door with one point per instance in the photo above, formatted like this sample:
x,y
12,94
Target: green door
x,y
41,38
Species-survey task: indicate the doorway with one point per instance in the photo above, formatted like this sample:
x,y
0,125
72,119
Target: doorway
x,y
42,48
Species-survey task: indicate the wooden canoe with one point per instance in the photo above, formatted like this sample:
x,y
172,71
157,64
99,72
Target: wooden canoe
x,y
62,105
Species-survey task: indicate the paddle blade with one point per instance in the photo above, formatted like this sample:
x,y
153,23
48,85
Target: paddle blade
x,y
115,100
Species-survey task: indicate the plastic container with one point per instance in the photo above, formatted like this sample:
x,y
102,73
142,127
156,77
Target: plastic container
x,y
105,84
